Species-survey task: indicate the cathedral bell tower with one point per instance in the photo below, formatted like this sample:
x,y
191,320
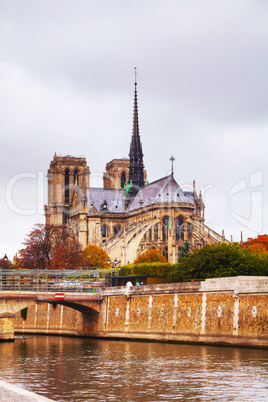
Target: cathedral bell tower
x,y
136,166
68,177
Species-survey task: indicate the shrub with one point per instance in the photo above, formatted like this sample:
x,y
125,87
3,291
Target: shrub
x,y
153,255
147,269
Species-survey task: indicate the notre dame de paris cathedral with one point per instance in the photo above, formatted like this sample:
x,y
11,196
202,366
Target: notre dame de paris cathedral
x,y
128,216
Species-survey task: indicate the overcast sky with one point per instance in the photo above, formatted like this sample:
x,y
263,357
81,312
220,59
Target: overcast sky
x,y
67,74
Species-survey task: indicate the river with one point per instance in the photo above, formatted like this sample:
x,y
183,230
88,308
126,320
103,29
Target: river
x,y
79,369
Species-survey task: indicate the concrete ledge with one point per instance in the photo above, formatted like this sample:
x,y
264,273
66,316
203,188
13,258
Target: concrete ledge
x,y
216,340
10,392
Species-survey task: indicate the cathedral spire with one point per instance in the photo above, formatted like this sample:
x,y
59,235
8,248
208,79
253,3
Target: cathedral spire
x,y
136,168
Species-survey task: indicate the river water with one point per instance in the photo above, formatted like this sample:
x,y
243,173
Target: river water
x,y
75,369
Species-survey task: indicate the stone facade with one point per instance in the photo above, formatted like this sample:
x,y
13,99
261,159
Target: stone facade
x,y
231,311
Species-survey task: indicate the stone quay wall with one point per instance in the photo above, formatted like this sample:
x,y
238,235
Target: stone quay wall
x,y
231,311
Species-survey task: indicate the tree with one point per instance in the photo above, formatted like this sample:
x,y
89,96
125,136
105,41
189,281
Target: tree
x,y
5,263
222,259
259,244
94,256
50,247
153,255
185,248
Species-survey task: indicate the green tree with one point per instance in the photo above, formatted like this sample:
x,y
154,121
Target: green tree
x,y
185,248
220,260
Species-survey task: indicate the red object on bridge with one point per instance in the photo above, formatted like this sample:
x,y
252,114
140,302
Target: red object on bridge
x,y
59,296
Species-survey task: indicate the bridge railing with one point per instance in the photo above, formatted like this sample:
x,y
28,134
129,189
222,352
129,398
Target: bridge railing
x,y
55,281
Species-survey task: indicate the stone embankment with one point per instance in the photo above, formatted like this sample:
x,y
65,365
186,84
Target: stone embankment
x,y
230,311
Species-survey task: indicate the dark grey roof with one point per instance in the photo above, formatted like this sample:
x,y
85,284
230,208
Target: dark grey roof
x,y
190,195
160,191
115,199
163,190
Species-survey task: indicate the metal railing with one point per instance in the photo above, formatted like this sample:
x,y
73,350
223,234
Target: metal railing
x,y
86,281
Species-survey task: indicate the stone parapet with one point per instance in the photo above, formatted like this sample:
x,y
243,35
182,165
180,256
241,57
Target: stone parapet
x,y
238,284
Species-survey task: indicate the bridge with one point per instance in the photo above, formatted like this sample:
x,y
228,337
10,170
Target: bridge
x,y
79,289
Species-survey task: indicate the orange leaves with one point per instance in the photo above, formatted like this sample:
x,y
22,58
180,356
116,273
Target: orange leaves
x,y
5,264
94,256
153,255
50,247
259,244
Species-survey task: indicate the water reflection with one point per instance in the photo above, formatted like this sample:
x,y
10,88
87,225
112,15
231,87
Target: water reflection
x,y
72,369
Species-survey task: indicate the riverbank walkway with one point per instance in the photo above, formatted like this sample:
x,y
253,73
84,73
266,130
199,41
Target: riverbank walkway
x,y
12,393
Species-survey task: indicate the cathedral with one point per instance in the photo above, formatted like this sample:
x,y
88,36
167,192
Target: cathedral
x,y
128,216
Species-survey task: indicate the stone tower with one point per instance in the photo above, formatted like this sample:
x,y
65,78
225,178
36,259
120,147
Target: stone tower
x,y
136,166
68,179
116,174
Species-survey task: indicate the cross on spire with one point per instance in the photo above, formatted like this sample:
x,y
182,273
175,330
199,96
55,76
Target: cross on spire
x,y
172,159
135,72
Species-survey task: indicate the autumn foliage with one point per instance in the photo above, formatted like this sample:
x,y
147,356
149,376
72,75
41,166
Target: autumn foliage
x,y
50,247
94,256
259,244
5,264
153,255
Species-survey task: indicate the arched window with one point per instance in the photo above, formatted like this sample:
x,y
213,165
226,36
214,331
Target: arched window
x,y
165,253
179,228
104,231
117,229
123,180
66,185
165,228
156,231
189,231
76,178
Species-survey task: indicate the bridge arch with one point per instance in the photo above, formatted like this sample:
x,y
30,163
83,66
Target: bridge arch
x,y
13,306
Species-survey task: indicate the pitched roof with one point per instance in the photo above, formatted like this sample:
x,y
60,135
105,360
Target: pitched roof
x,y
115,199
162,190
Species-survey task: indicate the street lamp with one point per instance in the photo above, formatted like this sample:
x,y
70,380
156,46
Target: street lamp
x,y
113,265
